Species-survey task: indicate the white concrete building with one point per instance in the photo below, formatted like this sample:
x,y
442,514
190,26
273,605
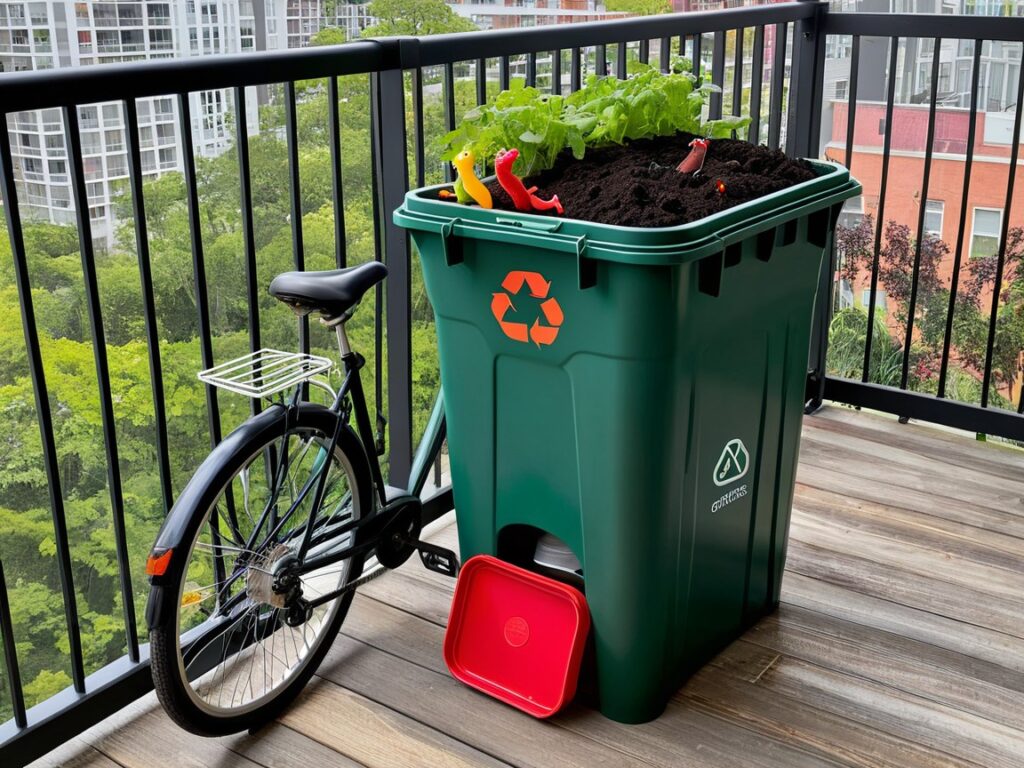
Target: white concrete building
x,y
62,33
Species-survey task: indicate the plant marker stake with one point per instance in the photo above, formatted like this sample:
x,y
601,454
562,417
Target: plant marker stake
x,y
694,161
475,188
523,198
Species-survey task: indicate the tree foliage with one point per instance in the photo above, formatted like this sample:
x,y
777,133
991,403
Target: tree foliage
x,y
27,543
899,258
415,17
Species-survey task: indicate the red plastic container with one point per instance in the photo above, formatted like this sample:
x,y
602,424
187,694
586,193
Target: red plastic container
x,y
516,635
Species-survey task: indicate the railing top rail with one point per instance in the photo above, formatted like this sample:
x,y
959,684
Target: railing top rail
x,y
442,49
44,89
21,91
999,28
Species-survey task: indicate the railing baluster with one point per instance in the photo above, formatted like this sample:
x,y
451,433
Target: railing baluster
x,y
11,653
449,108
737,74
645,51
717,75
202,295
388,106
481,81
664,53
556,71
418,139
503,73
337,185
620,61
531,69
248,232
777,97
295,196
954,283
756,86
151,329
997,287
890,99
916,274
698,64
575,66
851,100
73,142
600,60
43,414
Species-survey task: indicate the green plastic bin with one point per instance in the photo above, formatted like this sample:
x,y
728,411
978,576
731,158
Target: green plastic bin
x,y
637,393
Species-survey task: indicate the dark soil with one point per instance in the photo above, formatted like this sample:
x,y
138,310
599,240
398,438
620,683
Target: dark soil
x,y
637,185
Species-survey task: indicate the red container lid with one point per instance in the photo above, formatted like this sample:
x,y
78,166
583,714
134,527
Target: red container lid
x,y
516,635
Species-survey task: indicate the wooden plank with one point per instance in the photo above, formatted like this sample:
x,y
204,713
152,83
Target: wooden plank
x,y
938,533
893,455
444,704
913,719
74,753
941,566
681,735
734,687
915,668
143,736
962,446
375,735
901,586
914,623
844,482
992,459
276,745
938,481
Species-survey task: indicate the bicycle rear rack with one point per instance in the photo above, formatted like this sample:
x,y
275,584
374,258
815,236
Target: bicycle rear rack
x,y
265,372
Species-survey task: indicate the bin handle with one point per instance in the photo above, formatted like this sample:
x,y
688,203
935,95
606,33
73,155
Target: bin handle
x,y
541,235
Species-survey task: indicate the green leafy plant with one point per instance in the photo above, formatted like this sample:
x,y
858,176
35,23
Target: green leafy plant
x,y
605,111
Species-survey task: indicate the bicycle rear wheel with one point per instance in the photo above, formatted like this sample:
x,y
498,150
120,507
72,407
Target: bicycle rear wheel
x,y
232,653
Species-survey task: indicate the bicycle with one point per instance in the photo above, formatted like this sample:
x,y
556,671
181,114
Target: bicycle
x,y
255,567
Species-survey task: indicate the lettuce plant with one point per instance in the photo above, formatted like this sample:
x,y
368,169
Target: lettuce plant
x,y
604,111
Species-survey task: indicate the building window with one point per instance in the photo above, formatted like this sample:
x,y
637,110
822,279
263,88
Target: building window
x,y
865,299
985,232
933,210
842,90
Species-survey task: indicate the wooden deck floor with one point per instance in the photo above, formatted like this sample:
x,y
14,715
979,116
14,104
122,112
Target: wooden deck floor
x,y
900,642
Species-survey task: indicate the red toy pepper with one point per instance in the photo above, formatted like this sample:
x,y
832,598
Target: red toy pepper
x,y
694,161
523,198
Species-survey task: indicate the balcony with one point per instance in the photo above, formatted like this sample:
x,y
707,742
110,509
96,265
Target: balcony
x,y
899,638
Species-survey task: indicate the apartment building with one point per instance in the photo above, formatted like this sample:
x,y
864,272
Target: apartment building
x,y
62,33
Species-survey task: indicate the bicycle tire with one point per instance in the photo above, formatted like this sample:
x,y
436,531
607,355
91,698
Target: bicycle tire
x,y
166,654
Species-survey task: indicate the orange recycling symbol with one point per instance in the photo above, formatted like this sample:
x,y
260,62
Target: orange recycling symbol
x,y
551,312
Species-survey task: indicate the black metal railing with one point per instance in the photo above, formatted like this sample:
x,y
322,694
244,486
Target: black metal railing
x,y
925,397
416,89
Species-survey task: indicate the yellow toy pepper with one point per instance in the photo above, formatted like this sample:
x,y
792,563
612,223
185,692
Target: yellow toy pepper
x,y
475,188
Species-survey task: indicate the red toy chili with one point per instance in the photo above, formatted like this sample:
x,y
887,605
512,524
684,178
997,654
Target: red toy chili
x,y
694,161
523,198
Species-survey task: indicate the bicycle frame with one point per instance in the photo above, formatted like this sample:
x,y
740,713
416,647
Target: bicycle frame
x,y
368,526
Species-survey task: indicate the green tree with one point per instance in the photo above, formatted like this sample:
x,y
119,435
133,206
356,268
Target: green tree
x,y
415,17
639,7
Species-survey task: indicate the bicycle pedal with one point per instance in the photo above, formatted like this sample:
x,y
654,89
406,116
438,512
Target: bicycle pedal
x,y
438,559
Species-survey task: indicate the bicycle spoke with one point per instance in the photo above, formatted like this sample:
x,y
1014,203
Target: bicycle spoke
x,y
249,653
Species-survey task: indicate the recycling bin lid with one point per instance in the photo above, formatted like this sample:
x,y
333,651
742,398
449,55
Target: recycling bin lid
x,y
516,635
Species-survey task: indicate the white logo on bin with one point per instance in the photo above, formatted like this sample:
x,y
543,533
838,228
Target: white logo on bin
x,y
733,464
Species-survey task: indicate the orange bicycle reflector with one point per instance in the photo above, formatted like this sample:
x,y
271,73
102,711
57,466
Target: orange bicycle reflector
x,y
156,565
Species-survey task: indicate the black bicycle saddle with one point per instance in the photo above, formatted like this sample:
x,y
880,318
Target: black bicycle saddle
x,y
331,293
